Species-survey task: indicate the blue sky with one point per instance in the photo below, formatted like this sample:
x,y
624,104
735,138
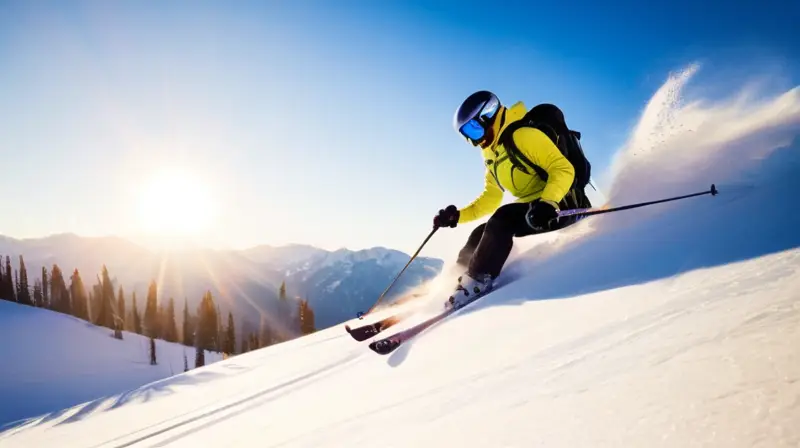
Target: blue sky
x,y
317,122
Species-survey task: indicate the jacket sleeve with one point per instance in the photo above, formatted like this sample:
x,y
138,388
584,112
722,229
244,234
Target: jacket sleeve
x,y
541,151
488,201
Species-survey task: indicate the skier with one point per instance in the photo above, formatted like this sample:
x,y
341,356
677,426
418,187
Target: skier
x,y
534,156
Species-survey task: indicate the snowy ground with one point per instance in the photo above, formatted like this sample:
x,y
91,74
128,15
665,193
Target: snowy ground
x,y
52,361
677,325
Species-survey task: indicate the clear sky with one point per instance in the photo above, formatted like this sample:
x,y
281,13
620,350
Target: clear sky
x,y
320,122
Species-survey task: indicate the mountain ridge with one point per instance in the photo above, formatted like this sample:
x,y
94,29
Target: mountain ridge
x,y
337,283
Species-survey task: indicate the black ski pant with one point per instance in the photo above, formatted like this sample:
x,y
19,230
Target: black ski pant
x,y
489,245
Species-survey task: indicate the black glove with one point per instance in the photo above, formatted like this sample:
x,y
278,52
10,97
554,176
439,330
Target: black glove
x,y
447,217
541,216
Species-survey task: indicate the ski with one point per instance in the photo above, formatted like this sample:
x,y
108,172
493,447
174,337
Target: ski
x,y
367,331
390,343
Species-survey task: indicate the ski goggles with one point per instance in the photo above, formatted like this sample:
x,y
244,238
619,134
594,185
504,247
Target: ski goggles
x,y
475,128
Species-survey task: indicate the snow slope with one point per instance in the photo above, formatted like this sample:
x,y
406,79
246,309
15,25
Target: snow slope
x,y
51,361
676,325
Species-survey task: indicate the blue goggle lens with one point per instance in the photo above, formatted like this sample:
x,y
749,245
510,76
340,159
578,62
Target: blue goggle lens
x,y
473,130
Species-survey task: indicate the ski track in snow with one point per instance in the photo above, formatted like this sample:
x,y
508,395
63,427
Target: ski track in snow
x,y
674,325
65,361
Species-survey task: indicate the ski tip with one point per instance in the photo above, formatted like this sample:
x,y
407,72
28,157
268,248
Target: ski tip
x,y
714,190
384,346
347,328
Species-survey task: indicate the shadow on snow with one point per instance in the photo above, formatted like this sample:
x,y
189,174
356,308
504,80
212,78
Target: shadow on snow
x,y
142,394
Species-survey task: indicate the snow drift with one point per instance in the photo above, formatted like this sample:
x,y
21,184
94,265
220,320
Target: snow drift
x,y
52,361
675,325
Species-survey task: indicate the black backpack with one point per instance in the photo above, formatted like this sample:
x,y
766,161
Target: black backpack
x,y
550,120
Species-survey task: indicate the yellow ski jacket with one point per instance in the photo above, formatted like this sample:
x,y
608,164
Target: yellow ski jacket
x,y
539,149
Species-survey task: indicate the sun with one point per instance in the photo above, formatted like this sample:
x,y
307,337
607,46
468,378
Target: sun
x,y
174,203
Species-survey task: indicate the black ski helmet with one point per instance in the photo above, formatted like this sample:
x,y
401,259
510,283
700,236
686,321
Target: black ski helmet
x,y
475,115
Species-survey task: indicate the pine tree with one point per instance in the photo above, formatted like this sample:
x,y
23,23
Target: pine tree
x,y
245,346
55,292
107,315
10,293
137,318
95,298
152,351
171,333
23,293
37,293
162,321
59,295
151,311
120,314
307,325
230,336
188,333
45,303
7,282
199,356
2,280
284,315
207,336
220,332
80,301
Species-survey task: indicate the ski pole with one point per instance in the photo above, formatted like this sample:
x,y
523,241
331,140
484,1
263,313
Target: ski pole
x,y
589,211
362,314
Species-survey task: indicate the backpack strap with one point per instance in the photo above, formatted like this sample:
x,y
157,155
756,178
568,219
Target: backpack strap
x,y
517,157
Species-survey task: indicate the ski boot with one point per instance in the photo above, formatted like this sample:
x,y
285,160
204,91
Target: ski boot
x,y
467,288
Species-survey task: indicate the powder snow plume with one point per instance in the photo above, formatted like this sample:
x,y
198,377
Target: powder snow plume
x,y
681,145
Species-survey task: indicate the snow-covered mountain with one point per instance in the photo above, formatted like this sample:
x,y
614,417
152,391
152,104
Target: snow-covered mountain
x,y
52,361
277,257
338,284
